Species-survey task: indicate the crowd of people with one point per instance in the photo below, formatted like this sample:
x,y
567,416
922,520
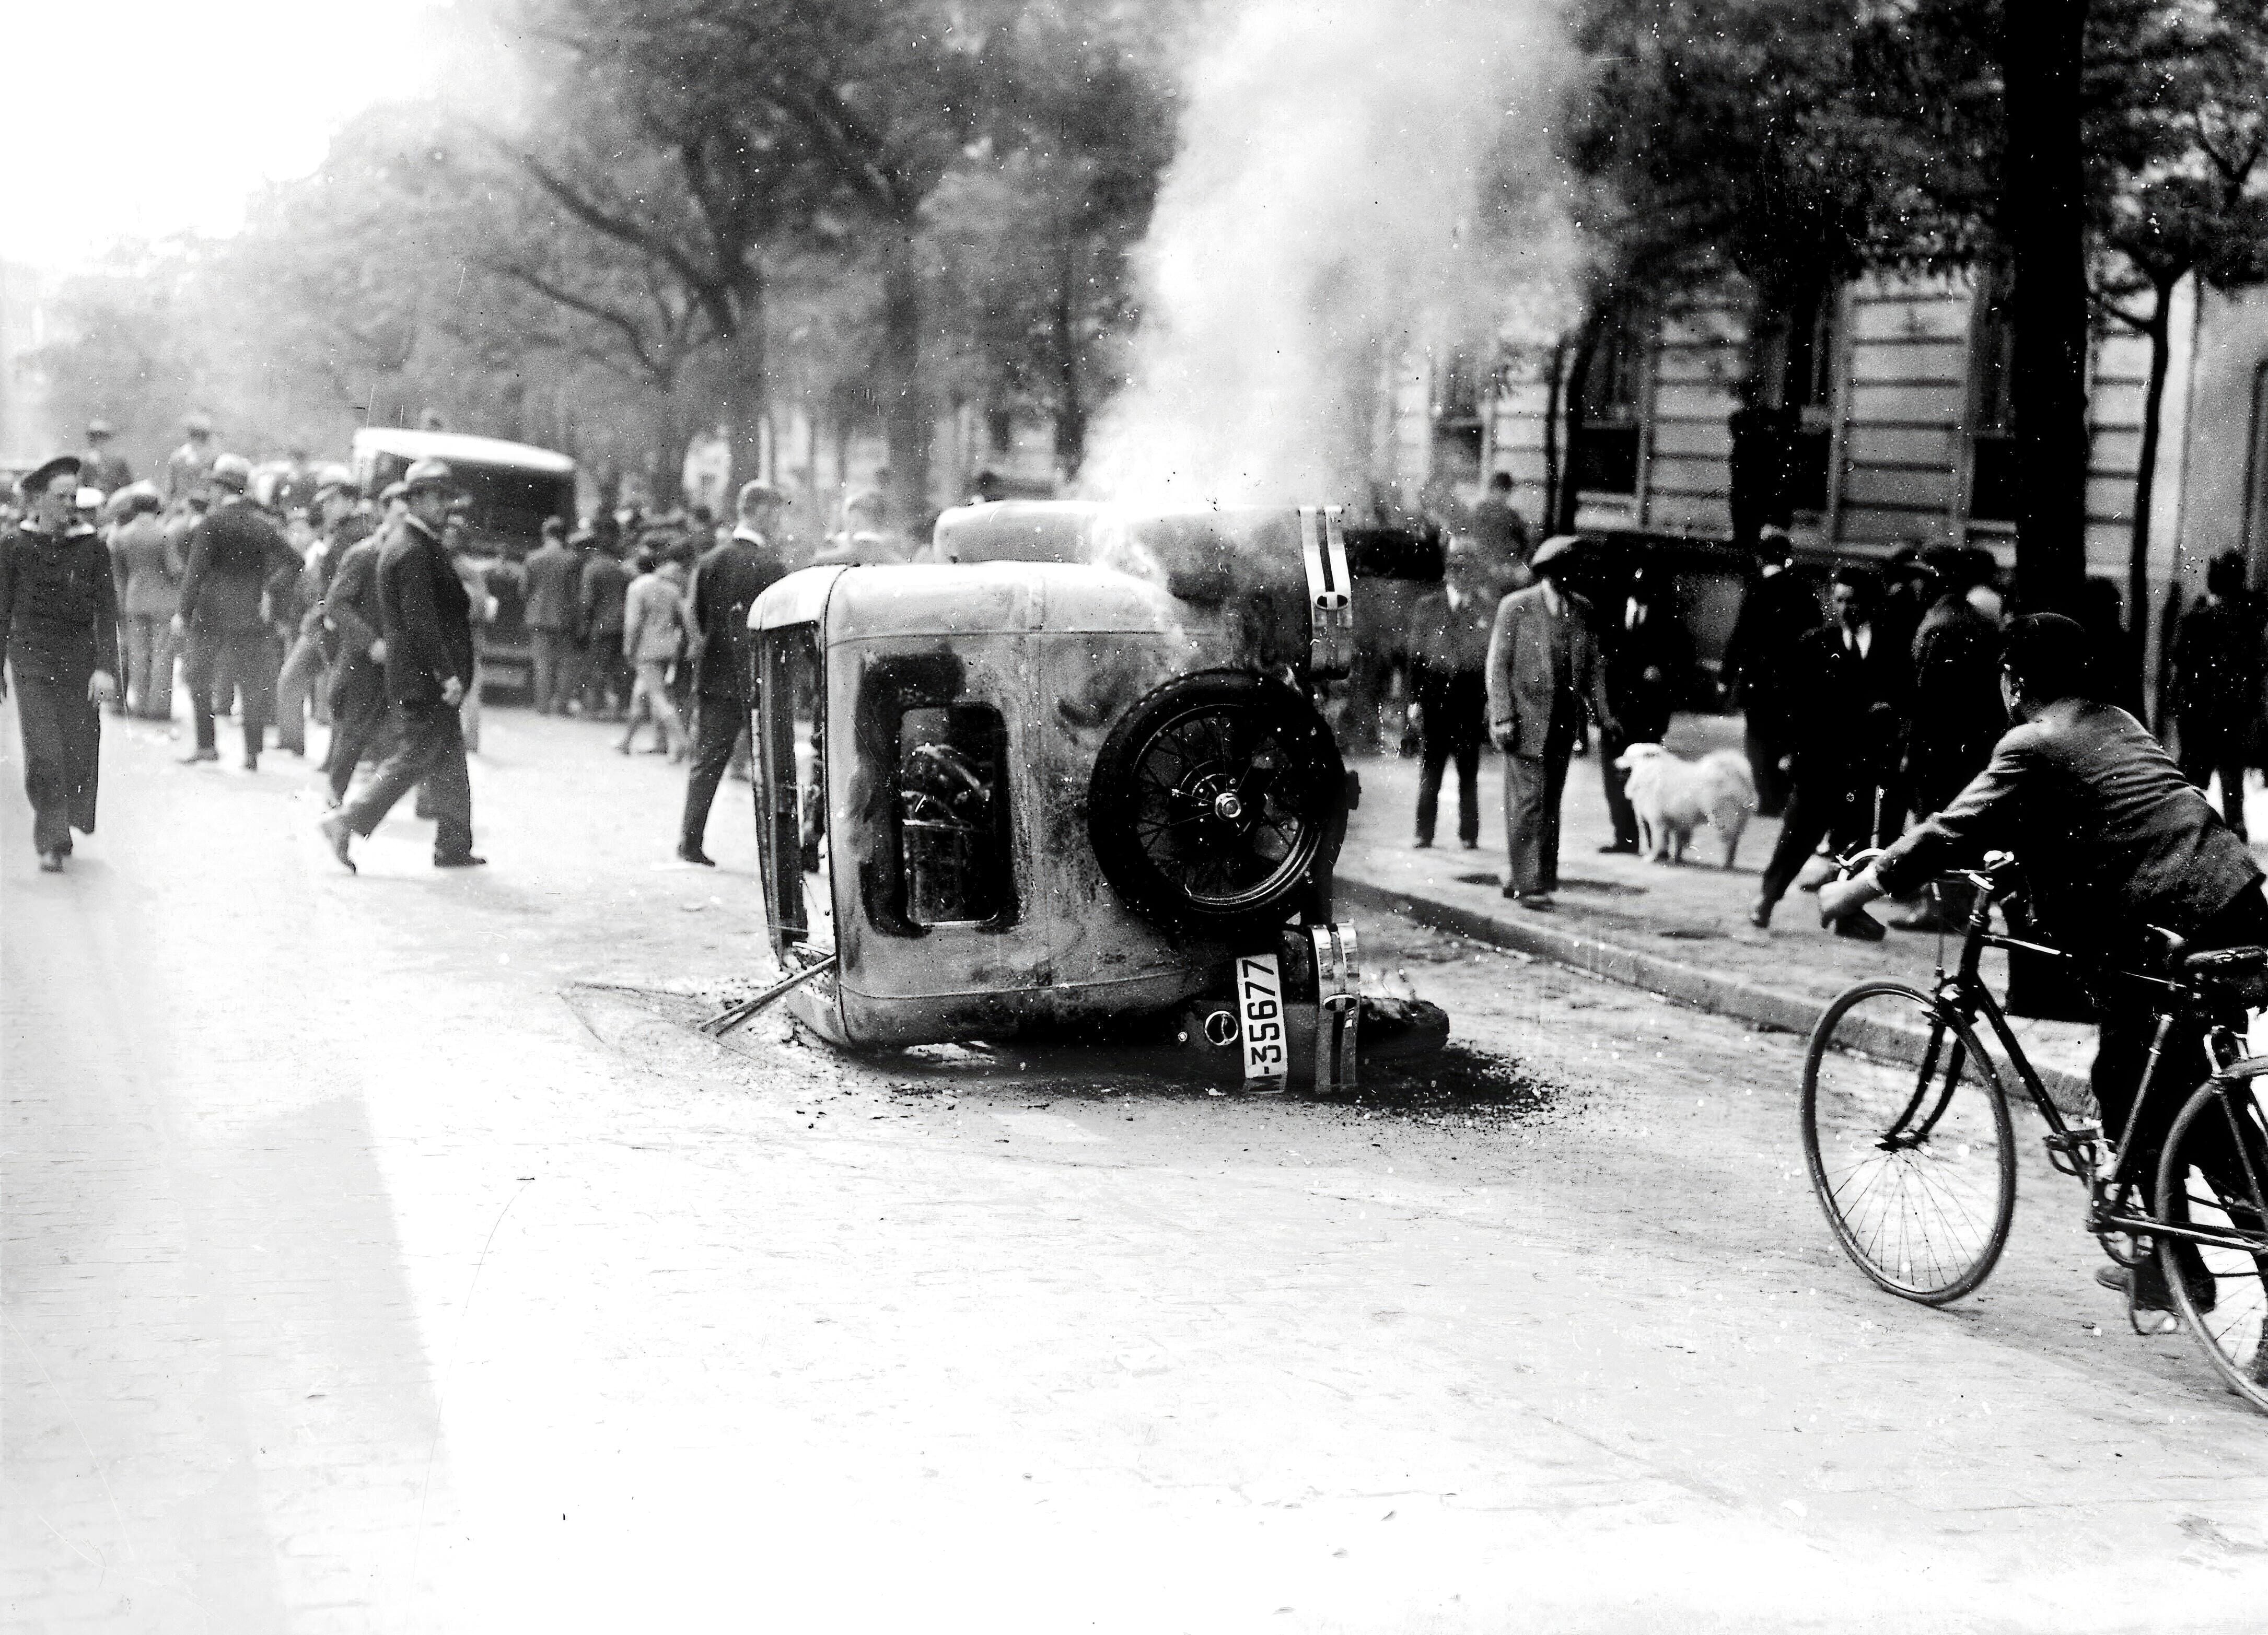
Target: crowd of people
x,y
284,593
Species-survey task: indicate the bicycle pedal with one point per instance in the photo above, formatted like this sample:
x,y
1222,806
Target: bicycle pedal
x,y
2081,1144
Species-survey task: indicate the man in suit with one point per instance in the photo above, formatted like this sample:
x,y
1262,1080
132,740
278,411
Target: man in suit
x,y
426,622
2112,839
1778,612
555,584
1853,686
1649,655
1450,630
103,467
1543,672
1956,716
188,467
725,584
238,561
604,595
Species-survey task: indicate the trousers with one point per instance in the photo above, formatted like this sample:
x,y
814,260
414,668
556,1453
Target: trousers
x,y
650,696
148,638
1766,746
1837,810
718,725
298,685
356,727
1532,788
231,658
63,744
428,749
1620,813
2202,761
558,668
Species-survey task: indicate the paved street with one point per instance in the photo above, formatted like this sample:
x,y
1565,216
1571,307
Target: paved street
x,y
384,1253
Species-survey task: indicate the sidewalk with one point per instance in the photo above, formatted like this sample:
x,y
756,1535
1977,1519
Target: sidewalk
x,y
1680,931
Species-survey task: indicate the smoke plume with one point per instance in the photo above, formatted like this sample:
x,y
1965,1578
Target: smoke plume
x,y
1357,181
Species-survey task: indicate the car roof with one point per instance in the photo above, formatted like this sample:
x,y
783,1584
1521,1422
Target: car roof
x,y
460,448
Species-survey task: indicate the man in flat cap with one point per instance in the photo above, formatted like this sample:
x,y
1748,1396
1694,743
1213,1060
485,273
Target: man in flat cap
x,y
725,584
238,558
426,623
188,467
59,642
103,467
1543,672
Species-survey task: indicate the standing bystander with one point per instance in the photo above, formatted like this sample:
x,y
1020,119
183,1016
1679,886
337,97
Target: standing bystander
x,y
148,568
726,586
1778,612
604,595
2218,703
654,632
1543,672
1649,659
188,467
555,579
236,559
1450,630
103,467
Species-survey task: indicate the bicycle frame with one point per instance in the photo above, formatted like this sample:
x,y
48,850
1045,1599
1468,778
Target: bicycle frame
x,y
2072,1150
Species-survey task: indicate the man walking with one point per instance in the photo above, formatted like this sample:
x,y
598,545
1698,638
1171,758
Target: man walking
x,y
148,571
1851,691
605,590
1543,672
301,681
555,581
353,626
1450,630
426,624
59,639
1778,612
655,629
237,558
725,584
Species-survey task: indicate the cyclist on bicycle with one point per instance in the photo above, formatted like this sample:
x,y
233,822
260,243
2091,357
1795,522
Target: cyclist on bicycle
x,y
2113,840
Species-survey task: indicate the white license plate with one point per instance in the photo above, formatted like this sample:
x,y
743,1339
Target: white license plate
x,y
1260,1015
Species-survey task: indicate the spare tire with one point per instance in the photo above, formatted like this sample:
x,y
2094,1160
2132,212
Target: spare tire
x,y
1218,802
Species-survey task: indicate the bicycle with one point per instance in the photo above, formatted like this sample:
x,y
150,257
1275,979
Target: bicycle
x,y
1912,1155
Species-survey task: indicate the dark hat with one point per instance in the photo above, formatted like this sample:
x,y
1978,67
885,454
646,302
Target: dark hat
x,y
100,429
35,481
232,471
198,425
1554,553
428,473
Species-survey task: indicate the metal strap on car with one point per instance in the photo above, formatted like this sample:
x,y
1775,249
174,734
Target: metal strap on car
x,y
1330,592
1338,1005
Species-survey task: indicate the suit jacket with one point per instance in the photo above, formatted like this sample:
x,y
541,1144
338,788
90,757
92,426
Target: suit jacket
x,y
1543,670
725,584
1774,615
1648,665
1956,669
424,614
605,586
2110,834
2217,685
149,577
350,614
554,584
235,554
1850,707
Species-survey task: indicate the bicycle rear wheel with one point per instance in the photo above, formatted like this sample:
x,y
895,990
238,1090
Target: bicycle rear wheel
x,y
2212,1175
1907,1134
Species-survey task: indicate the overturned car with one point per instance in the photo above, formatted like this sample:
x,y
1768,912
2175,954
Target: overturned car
x,y
1070,777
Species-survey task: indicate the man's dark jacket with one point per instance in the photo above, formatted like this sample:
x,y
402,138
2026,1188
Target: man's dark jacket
x,y
1448,665
58,604
2111,836
235,555
2218,682
1649,667
1774,615
725,584
350,613
424,614
1850,707
606,587
1957,715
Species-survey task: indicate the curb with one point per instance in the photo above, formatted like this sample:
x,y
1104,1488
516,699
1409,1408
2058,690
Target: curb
x,y
1682,984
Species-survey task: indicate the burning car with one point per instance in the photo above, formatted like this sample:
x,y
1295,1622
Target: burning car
x,y
1070,776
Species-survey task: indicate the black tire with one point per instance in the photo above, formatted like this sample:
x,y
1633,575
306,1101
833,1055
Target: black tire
x,y
1906,1130
1217,802
2203,1181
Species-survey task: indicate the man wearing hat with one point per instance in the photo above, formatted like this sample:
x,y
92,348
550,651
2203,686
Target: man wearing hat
x,y
1778,611
426,623
102,466
59,641
725,584
354,628
555,581
188,467
148,569
1543,672
336,497
237,558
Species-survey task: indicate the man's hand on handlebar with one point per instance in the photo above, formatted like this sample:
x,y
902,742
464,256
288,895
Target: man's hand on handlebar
x,y
1842,897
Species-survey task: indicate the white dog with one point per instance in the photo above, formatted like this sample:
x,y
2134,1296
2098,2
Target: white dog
x,y
1673,797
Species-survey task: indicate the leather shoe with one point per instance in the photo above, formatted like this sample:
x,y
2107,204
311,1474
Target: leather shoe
x,y
1860,927
1760,916
51,862
458,860
195,756
1628,848
1422,844
2148,1282
252,763
335,831
693,854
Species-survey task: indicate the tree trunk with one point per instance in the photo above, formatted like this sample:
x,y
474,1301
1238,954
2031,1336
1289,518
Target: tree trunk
x,y
744,394
1071,401
905,405
1555,391
2042,221
2145,482
1579,375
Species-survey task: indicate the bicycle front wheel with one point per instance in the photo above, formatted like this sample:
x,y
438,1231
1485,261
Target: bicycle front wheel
x,y
2213,1177
1908,1138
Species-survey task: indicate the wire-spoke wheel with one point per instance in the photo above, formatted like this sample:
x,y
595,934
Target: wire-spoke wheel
x,y
1907,1133
2213,1177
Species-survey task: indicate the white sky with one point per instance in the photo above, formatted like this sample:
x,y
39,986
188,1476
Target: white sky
x,y
162,117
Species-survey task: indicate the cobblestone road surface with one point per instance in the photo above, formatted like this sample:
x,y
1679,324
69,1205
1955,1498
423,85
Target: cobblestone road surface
x,y
384,1254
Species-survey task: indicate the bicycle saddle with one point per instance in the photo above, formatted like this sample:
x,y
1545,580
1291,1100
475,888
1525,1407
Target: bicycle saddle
x,y
2224,962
